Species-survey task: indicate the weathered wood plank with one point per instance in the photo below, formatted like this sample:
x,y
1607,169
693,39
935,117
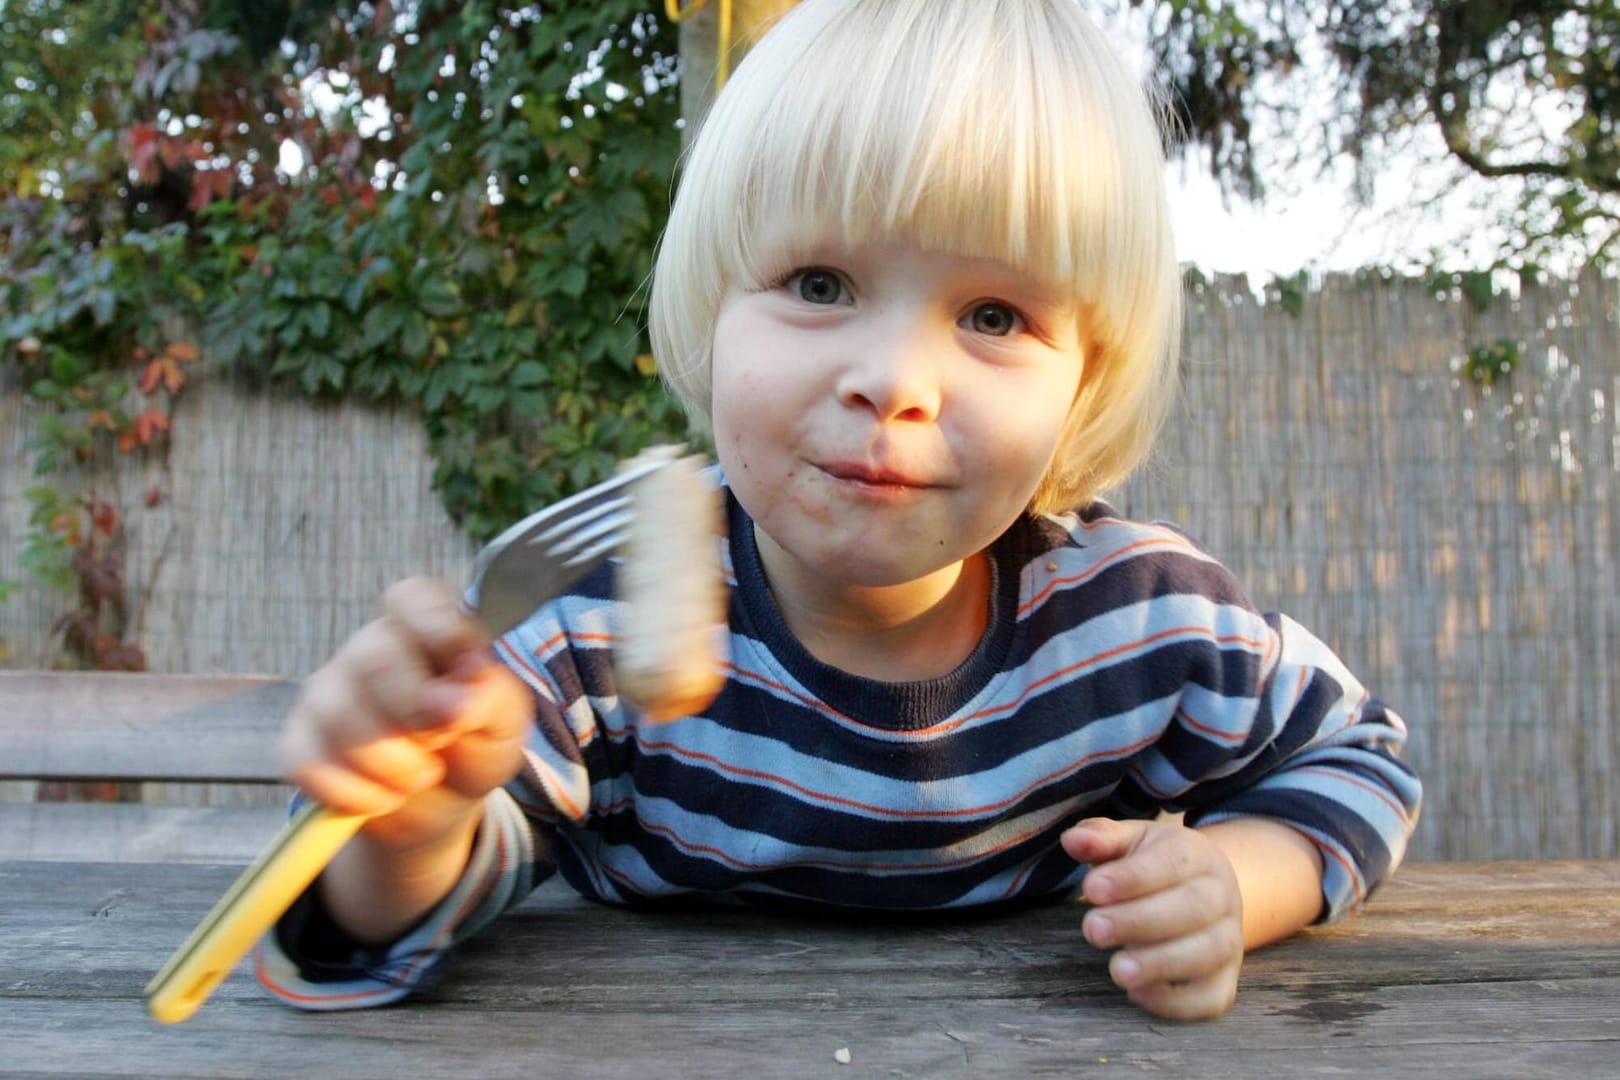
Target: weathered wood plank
x,y
1501,1039
100,725
1438,912
135,832
1521,978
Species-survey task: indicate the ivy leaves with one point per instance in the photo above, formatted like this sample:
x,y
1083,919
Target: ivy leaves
x,y
469,232
497,281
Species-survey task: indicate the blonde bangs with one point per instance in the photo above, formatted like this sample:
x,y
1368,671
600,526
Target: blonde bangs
x,y
976,164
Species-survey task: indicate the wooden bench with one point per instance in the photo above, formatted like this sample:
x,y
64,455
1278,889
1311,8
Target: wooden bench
x,y
186,740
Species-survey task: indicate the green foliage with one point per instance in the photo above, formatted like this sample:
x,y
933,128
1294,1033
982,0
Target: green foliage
x,y
470,233
1477,287
46,553
1290,291
497,279
59,60
1194,281
73,545
1486,364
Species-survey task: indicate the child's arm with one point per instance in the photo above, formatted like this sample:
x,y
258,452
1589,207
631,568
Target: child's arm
x,y
380,730
1182,905
1288,772
441,860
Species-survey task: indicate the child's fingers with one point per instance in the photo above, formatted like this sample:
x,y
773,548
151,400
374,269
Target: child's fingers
x,y
1166,897
333,784
1099,840
428,612
1194,956
1166,856
370,691
1195,999
490,730
470,735
385,673
479,696
1171,913
338,727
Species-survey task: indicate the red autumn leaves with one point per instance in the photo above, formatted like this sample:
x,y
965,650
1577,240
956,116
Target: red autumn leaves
x,y
162,371
151,152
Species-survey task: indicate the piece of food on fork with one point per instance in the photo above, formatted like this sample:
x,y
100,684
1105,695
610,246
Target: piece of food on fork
x,y
672,610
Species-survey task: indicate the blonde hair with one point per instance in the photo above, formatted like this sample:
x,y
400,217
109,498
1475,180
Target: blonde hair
x,y
1003,129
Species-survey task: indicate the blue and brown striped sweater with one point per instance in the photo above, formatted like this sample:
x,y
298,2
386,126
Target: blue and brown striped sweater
x,y
1123,673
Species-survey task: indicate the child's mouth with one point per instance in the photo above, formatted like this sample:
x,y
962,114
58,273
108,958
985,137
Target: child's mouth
x,y
875,479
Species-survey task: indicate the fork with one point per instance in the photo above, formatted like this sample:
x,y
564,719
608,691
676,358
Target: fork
x,y
543,554
528,564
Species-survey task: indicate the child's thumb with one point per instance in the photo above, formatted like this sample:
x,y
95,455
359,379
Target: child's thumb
x,y
1100,839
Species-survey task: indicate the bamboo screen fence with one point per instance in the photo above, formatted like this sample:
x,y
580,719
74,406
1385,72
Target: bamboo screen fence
x,y
1455,543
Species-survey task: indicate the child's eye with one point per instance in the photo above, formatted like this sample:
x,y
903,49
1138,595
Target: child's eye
x,y
816,286
993,318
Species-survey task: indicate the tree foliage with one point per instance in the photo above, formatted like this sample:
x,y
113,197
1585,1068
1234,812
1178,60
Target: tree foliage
x,y
451,206
469,227
1523,93
58,62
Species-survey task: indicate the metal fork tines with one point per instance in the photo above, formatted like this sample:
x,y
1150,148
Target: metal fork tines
x,y
589,534
538,557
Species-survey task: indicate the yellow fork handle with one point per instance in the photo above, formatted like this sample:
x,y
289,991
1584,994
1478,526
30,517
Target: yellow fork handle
x,y
260,896
286,867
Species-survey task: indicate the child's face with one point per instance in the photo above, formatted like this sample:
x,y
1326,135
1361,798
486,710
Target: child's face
x,y
884,412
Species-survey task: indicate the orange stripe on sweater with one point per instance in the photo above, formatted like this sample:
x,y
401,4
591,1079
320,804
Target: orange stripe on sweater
x,y
1107,561
895,813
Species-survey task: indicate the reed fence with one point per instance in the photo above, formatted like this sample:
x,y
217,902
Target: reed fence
x,y
1455,542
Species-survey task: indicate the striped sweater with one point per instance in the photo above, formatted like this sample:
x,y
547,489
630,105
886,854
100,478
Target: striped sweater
x,y
1123,673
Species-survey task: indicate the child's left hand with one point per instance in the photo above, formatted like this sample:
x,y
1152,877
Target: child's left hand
x,y
1167,899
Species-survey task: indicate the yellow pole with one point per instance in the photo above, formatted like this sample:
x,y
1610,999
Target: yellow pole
x,y
714,37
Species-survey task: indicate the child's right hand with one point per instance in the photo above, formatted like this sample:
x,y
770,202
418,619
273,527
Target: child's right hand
x,y
411,721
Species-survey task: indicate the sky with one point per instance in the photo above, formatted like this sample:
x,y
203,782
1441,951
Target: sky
x,y
1319,228
1311,225
1313,229
1423,201
1315,224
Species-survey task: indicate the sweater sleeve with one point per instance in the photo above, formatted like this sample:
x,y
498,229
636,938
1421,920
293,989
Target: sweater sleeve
x,y
1271,724
308,962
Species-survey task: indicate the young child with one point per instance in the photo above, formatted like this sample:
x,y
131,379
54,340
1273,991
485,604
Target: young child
x,y
918,281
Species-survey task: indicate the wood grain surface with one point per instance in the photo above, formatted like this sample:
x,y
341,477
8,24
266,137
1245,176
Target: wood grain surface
x,y
1457,970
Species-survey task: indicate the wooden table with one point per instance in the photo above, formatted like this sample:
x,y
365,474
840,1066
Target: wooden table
x,y
1462,970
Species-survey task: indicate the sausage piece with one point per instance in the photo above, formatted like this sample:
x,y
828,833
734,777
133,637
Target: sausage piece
x,y
672,610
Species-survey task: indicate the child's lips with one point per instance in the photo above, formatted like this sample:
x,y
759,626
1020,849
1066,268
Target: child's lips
x,y
876,476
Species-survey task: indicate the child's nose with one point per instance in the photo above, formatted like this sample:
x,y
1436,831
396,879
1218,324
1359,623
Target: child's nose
x,y
894,375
